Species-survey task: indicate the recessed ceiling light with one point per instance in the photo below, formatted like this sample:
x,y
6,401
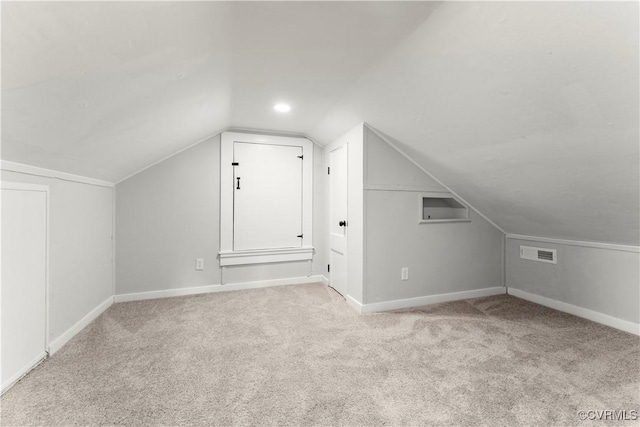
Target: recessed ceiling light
x,y
282,108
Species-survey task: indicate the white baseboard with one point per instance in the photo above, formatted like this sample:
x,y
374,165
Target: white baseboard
x,y
354,304
426,300
59,342
605,319
219,288
22,372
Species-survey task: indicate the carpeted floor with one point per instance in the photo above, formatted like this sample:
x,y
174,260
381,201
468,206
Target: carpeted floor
x,y
298,355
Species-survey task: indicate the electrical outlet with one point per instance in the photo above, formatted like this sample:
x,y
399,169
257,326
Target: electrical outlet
x,y
199,263
404,273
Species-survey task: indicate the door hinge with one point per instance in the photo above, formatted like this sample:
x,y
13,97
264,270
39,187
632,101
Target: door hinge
x,y
301,157
328,171
235,164
300,235
329,268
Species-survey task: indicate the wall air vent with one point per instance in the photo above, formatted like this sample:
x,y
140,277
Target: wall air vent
x,y
539,254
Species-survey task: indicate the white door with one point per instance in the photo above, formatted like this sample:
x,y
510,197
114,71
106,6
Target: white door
x,y
23,297
267,198
338,218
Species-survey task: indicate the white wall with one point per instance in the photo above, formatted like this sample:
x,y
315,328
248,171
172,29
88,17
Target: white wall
x,y
80,249
442,258
169,214
602,280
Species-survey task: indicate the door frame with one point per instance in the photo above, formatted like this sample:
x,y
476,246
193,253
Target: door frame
x,y
342,143
355,212
22,186
227,256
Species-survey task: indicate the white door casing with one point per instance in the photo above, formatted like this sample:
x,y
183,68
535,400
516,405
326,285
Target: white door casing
x,y
247,251
267,196
24,279
338,225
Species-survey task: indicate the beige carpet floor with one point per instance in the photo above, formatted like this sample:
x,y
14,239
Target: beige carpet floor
x,y
298,355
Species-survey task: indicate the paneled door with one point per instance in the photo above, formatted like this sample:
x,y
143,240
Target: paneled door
x,y
338,218
267,198
24,269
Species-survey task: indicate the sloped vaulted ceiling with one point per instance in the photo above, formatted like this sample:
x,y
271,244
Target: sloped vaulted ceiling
x,y
527,110
102,89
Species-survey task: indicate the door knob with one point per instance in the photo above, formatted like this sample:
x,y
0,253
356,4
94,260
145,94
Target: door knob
x,y
342,223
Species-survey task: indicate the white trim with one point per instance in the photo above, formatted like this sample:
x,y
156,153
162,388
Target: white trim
x,y
22,372
59,342
416,189
50,173
272,133
439,221
113,241
605,319
227,141
138,296
226,129
503,241
384,138
353,303
425,300
23,186
438,194
264,256
47,275
597,245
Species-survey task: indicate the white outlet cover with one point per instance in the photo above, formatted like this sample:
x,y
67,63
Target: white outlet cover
x,y
199,263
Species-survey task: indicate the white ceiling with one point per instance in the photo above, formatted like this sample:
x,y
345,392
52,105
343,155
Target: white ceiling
x,y
103,89
527,110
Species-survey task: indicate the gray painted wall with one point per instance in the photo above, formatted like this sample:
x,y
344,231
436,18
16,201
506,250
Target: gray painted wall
x,y
166,217
80,248
602,280
442,258
169,214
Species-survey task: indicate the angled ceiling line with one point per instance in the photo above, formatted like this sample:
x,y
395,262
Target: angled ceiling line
x,y
395,147
173,154
16,167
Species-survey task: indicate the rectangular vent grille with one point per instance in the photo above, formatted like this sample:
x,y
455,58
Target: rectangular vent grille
x,y
546,255
539,254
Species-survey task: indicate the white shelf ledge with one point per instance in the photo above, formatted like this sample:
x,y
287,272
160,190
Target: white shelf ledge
x,y
439,221
263,256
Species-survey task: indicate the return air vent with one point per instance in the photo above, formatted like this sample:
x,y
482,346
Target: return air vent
x,y
539,254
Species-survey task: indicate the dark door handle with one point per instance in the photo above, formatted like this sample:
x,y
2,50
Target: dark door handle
x,y
342,223
238,186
